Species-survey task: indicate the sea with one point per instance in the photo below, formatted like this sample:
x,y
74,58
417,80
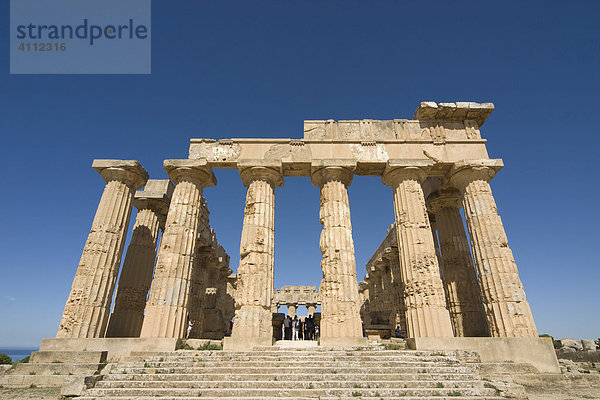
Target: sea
x,y
17,354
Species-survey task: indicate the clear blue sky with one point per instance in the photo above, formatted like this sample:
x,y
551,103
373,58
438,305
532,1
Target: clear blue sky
x,y
258,69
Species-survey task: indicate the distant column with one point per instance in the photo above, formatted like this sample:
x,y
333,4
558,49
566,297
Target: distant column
x,y
425,302
292,309
88,306
311,308
464,298
128,314
340,308
167,305
506,307
253,324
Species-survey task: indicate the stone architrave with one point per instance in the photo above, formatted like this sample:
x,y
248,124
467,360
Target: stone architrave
x,y
255,287
464,297
340,306
167,305
507,310
88,306
152,204
424,298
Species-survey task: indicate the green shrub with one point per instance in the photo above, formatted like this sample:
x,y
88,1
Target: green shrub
x,y
209,346
5,359
25,360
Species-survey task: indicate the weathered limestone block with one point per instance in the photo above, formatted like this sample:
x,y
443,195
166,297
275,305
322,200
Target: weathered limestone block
x,y
88,306
255,287
167,305
507,310
425,303
128,314
339,288
464,298
198,285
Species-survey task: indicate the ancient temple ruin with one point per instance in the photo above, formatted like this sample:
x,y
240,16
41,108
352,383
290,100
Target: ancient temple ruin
x,y
427,276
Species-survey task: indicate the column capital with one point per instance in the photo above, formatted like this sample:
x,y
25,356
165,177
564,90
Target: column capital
x,y
156,196
260,171
398,170
445,198
466,171
323,171
197,171
130,172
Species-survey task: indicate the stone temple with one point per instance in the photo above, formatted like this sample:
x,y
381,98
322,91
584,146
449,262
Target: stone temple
x,y
446,287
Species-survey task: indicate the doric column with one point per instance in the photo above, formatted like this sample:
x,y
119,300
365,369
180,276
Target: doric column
x,y
253,317
152,204
425,303
88,306
393,257
507,310
198,285
292,309
167,305
340,308
460,279
311,308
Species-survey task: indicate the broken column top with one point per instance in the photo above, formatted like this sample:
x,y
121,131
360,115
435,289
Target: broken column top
x,y
459,111
161,189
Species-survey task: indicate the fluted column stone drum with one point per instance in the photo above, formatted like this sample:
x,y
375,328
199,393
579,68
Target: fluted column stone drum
x,y
88,306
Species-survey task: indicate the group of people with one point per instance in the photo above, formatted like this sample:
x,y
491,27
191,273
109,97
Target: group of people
x,y
296,329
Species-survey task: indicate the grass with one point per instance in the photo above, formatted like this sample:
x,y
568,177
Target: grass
x,y
32,373
439,385
356,394
455,393
587,396
311,386
57,362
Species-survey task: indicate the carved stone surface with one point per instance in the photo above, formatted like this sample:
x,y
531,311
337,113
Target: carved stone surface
x,y
426,313
506,307
302,295
254,292
87,309
339,287
167,305
464,297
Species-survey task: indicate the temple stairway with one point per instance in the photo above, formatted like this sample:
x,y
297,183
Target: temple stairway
x,y
272,372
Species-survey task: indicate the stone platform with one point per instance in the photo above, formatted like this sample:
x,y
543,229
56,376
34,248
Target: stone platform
x,y
325,373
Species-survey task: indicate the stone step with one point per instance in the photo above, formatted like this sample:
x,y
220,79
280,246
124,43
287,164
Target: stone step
x,y
292,370
295,353
212,357
295,398
88,357
292,377
56,368
289,384
277,392
286,364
